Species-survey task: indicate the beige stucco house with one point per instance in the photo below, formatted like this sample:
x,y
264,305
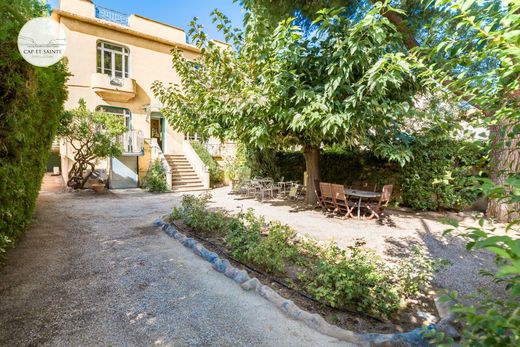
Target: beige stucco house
x,y
114,59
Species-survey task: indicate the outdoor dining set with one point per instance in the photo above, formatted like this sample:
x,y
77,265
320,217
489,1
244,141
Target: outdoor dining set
x,y
266,187
360,200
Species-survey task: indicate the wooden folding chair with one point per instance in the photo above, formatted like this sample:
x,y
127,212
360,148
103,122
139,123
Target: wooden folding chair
x,y
317,191
377,208
343,206
295,192
327,197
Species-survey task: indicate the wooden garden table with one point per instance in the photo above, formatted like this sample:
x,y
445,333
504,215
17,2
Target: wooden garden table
x,y
361,194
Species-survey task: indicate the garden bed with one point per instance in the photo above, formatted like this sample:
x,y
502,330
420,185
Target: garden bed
x,y
316,277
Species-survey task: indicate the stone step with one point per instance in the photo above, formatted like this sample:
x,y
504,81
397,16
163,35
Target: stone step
x,y
188,185
183,171
186,176
173,163
185,180
185,183
189,189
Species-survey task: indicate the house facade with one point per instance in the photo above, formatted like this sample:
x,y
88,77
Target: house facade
x,y
114,59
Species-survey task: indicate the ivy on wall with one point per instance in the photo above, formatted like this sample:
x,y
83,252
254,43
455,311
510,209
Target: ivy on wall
x,y
31,101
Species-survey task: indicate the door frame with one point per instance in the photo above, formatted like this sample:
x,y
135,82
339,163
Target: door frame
x,y
158,115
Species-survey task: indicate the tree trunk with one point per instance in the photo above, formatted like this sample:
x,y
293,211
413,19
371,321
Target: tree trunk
x,y
312,167
504,160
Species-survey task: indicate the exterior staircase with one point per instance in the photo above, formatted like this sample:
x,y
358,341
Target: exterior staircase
x,y
184,178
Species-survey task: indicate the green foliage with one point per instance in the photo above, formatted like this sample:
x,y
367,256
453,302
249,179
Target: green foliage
x,y
495,321
239,168
271,252
216,174
416,272
355,278
336,165
477,54
92,135
155,180
31,101
439,177
484,69
348,83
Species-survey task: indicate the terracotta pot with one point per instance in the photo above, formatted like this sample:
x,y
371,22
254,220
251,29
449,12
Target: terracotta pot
x,y
99,187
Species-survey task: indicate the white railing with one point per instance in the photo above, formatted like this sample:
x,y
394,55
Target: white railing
x,y
222,150
156,153
132,142
111,15
196,163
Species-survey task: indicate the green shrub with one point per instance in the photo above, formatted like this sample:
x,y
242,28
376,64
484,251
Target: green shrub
x,y
216,174
155,180
261,244
354,279
437,178
416,272
239,169
31,102
193,211
494,320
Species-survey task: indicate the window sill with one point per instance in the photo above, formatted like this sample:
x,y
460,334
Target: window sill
x,y
122,90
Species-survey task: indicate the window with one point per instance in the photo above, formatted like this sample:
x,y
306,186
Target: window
x,y
112,60
117,111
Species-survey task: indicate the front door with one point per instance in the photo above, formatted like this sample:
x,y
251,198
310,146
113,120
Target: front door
x,y
157,129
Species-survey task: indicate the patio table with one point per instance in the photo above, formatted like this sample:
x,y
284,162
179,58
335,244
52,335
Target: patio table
x,y
361,194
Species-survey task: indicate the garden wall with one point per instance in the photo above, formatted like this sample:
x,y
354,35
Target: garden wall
x,y
31,101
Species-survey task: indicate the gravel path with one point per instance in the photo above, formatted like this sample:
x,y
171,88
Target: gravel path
x,y
392,239
93,271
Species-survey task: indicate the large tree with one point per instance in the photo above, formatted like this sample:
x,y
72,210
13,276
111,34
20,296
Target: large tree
x,y
471,47
346,82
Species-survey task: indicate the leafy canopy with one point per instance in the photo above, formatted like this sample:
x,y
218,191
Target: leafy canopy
x,y
347,83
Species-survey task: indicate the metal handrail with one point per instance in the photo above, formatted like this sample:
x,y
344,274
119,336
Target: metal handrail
x,y
132,142
111,15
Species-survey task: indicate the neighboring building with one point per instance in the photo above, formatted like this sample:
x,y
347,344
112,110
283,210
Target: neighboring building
x,y
114,59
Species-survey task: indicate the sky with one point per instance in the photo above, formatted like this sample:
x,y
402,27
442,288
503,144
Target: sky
x,y
176,12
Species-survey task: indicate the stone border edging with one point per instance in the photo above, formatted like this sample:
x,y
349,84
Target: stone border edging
x,y
315,321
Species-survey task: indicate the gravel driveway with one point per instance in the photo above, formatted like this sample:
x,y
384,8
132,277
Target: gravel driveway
x,y
93,271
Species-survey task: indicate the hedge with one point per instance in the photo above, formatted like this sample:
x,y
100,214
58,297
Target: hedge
x,y
437,178
31,101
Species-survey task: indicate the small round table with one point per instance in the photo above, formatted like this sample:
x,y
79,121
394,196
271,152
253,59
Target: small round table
x,y
361,194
